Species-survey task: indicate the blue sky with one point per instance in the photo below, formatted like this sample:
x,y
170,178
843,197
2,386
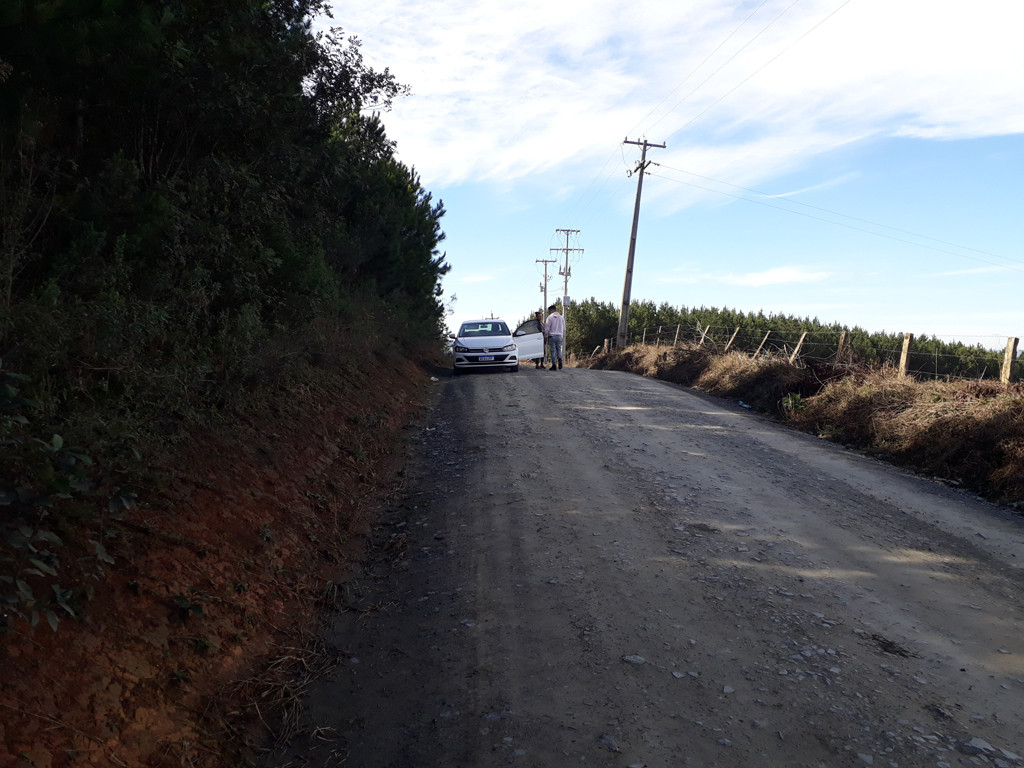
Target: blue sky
x,y
858,161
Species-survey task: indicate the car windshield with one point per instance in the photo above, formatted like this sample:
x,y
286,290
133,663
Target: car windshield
x,y
493,328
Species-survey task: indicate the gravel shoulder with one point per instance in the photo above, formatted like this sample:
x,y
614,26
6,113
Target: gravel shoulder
x,y
591,567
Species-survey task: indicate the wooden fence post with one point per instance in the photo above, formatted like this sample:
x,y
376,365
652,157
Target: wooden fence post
x,y
657,341
839,349
703,335
1011,355
792,358
731,339
908,339
762,343
676,342
643,339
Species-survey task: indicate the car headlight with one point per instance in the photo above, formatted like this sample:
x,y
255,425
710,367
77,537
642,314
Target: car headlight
x,y
460,348
509,348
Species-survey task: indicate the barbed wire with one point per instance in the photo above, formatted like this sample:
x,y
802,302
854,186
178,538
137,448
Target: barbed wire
x,y
822,346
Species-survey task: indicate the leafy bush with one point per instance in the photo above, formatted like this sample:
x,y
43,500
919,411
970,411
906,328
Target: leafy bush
x,y
37,473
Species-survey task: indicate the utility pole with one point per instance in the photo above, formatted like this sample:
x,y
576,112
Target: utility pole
x,y
544,285
566,271
620,339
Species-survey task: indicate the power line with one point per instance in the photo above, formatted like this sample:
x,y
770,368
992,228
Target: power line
x,y
705,61
566,271
726,62
844,215
583,198
853,227
770,61
769,205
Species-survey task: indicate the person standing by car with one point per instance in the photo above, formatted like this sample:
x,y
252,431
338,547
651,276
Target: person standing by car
x,y
538,362
554,329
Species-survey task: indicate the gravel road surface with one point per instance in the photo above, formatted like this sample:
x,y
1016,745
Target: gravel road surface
x,y
594,568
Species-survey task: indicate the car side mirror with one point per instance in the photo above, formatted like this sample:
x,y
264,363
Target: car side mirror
x,y
451,335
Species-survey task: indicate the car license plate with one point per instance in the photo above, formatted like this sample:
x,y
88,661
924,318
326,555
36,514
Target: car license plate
x,y
485,358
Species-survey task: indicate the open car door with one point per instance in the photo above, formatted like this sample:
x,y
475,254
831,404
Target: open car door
x,y
529,338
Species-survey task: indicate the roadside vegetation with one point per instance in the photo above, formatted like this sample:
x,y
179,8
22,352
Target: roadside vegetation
x,y
214,274
593,322
965,433
196,198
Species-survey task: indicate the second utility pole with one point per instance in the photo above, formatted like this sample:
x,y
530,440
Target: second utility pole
x,y
544,285
620,338
565,271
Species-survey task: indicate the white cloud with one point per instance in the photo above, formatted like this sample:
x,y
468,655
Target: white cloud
x,y
508,90
976,271
519,110
776,276
680,279
814,188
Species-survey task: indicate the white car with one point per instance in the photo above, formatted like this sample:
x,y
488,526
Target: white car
x,y
489,343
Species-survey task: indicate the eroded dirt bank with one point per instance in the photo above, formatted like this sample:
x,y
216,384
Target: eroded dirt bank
x,y
216,576
591,567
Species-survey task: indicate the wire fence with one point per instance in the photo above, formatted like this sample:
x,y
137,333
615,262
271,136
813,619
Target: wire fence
x,y
927,357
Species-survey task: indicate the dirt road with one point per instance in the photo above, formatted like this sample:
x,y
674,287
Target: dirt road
x,y
593,568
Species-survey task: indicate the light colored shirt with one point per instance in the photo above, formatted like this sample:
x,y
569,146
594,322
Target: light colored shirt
x,y
555,325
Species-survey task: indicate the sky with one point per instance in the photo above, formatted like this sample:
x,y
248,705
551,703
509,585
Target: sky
x,y
856,161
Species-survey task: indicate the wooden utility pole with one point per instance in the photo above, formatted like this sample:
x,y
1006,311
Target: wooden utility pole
x,y
627,288
566,273
544,285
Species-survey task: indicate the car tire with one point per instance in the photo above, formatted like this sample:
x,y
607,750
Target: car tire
x,y
514,369
455,371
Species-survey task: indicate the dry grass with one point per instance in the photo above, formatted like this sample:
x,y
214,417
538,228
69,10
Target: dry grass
x,y
273,697
968,433
762,381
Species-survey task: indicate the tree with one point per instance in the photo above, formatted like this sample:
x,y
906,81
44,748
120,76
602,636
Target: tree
x,y
592,323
